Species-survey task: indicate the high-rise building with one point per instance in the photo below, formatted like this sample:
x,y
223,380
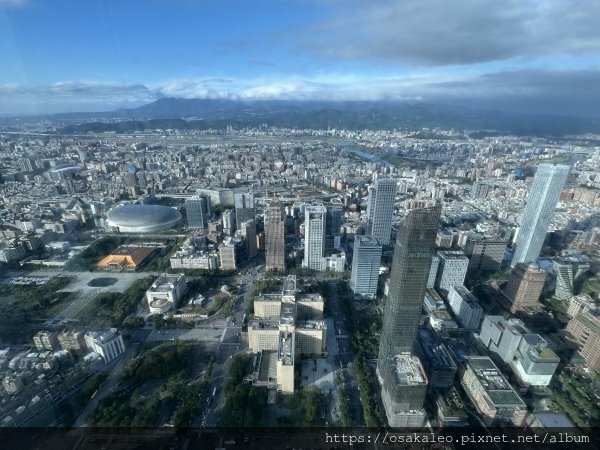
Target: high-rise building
x,y
248,230
568,271
380,210
584,330
465,306
433,269
541,203
228,218
485,254
196,210
365,266
275,236
452,270
401,374
244,207
108,344
524,286
314,236
333,223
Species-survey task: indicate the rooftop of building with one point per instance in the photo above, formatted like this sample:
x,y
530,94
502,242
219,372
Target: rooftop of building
x,y
434,350
590,320
549,419
285,351
128,255
496,386
166,282
263,324
312,324
544,354
309,298
287,316
289,284
102,336
452,255
407,370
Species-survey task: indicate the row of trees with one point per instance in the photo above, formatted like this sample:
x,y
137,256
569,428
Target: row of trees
x,y
244,404
364,330
165,361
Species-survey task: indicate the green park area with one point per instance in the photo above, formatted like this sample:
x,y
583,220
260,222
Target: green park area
x,y
163,386
21,306
246,405
572,395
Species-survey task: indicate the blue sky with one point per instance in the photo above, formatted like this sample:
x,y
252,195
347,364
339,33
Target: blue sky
x,y
73,55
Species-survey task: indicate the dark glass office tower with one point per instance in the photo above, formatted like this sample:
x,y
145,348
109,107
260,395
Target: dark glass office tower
x,y
401,374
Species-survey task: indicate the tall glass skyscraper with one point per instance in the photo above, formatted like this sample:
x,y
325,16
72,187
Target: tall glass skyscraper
x,y
366,260
548,183
314,236
380,210
275,236
196,210
401,374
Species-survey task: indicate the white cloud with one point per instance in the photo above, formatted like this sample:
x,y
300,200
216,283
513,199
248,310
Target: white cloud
x,y
442,32
567,92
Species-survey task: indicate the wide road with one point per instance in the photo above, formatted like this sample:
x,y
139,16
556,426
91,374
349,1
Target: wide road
x,y
345,355
230,344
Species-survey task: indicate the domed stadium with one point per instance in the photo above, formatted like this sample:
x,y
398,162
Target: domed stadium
x,y
134,218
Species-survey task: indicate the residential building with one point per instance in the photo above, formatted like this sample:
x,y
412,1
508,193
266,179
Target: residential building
x,y
108,344
46,340
568,273
584,331
479,190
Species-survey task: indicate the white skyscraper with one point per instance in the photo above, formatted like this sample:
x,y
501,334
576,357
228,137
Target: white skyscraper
x,y
380,210
365,266
314,236
548,183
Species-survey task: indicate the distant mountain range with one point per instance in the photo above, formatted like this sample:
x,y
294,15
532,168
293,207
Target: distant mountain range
x,y
189,114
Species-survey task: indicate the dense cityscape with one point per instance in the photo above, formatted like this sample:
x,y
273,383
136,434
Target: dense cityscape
x,y
299,278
